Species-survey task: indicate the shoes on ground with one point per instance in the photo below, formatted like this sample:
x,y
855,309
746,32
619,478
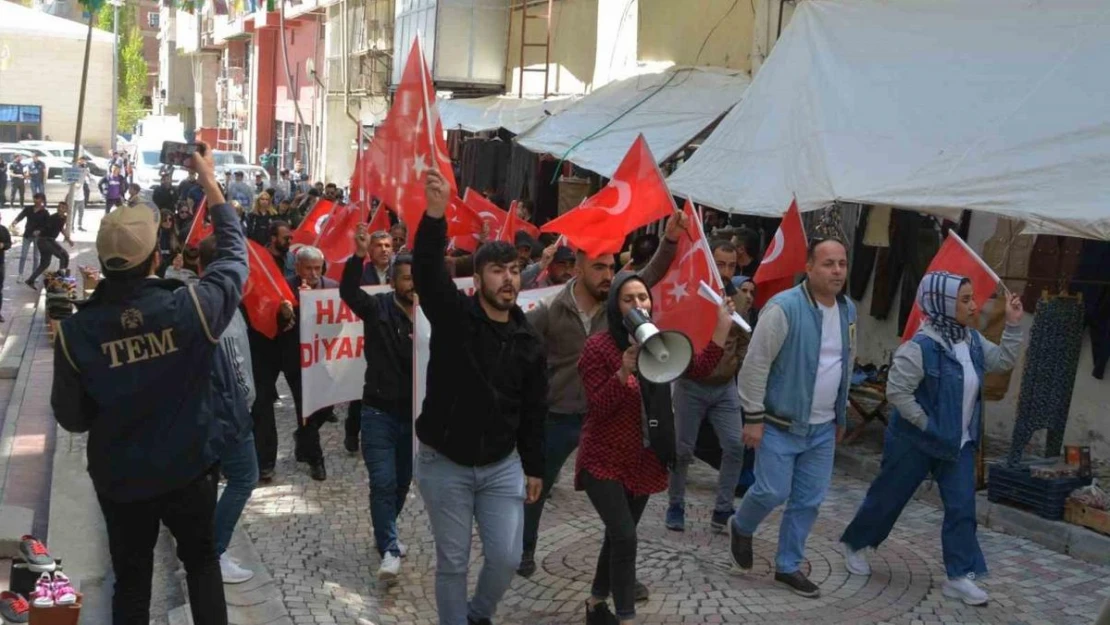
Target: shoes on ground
x,y
856,561
350,443
640,592
600,615
265,475
965,590
799,584
527,564
739,546
232,571
676,518
390,567
317,471
720,520
402,548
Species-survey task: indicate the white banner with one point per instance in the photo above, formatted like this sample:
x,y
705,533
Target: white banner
x,y
333,365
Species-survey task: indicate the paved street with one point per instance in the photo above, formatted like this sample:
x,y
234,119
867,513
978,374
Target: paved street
x,y
316,539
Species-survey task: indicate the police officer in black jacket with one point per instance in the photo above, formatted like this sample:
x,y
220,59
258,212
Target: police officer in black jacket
x,y
386,407
481,427
153,447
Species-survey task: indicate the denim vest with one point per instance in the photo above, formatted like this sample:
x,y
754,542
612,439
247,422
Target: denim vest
x,y
147,365
941,395
789,398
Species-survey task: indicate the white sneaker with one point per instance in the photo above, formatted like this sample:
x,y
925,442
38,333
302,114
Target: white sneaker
x,y
232,571
965,590
856,561
391,566
402,548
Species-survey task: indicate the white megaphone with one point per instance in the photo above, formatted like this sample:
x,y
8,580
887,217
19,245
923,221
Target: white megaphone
x,y
664,355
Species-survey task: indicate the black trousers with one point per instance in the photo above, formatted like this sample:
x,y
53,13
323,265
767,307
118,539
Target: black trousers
x,y
269,359
18,185
352,426
188,513
4,192
48,249
620,511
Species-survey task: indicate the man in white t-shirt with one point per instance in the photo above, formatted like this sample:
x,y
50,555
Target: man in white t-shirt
x,y
794,389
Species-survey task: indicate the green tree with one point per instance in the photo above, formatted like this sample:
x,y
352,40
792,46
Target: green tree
x,y
132,66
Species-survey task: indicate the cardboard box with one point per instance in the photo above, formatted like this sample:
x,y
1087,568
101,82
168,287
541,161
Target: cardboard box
x,y
57,615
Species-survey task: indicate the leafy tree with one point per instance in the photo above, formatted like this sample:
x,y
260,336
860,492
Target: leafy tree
x,y
132,66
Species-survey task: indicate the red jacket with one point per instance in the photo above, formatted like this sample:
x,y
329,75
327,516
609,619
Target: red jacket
x,y
612,442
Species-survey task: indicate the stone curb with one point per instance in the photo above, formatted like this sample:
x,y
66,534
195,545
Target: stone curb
x,y
1078,542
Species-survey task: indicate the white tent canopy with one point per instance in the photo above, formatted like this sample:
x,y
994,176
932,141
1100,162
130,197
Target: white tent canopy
x,y
497,111
670,109
16,19
991,105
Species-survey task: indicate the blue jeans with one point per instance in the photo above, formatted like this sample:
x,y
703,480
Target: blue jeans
x,y
560,440
795,470
720,404
239,464
456,496
37,186
28,242
903,469
387,451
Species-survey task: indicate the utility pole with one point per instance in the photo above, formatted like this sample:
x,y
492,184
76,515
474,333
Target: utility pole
x,y
115,70
72,195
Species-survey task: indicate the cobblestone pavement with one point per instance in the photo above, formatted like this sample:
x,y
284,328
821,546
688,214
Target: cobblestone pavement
x,y
316,540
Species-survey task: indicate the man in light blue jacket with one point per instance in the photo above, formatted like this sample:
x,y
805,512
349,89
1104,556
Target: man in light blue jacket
x,y
793,390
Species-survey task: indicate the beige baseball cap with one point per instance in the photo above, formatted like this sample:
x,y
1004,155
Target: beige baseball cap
x,y
127,236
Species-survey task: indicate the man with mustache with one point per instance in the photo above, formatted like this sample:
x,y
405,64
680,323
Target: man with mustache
x,y
481,426
804,333
564,322
386,407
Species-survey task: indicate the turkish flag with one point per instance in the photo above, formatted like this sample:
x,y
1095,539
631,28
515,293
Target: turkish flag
x,y
200,229
522,224
408,143
309,229
956,257
676,304
510,226
265,290
380,221
337,234
785,257
467,217
636,196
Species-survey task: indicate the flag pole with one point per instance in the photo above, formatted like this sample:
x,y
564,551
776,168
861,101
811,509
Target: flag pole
x,y
424,75
984,265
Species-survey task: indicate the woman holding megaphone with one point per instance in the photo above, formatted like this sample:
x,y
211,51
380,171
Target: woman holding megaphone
x,y
627,440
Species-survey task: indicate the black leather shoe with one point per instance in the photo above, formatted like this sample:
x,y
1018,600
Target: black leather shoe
x,y
350,443
641,592
317,471
740,546
799,583
600,615
527,564
265,475
481,621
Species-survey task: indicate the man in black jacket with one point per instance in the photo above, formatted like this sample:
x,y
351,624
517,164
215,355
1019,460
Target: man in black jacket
x,y
386,419
152,451
481,427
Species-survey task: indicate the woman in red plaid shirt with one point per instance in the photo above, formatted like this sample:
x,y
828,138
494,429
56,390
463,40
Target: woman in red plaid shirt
x,y
617,465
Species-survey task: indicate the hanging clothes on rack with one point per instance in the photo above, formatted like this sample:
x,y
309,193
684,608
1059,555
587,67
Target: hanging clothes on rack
x,y
1049,376
914,240
1052,264
1092,277
1008,251
862,263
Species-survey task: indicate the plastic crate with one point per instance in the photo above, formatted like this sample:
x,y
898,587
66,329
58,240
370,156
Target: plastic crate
x,y
1045,497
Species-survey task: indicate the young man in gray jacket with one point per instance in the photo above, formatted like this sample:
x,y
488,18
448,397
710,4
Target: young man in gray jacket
x,y
564,322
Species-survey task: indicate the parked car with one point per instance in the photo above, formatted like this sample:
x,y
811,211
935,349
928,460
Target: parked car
x,y
148,167
98,165
56,189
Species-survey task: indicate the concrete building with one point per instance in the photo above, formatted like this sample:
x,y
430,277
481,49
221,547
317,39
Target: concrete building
x,y
41,58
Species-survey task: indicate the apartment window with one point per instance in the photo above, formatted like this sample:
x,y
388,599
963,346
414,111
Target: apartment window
x,y
18,122
152,19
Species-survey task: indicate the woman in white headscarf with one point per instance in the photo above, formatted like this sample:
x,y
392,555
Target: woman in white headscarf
x,y
935,384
